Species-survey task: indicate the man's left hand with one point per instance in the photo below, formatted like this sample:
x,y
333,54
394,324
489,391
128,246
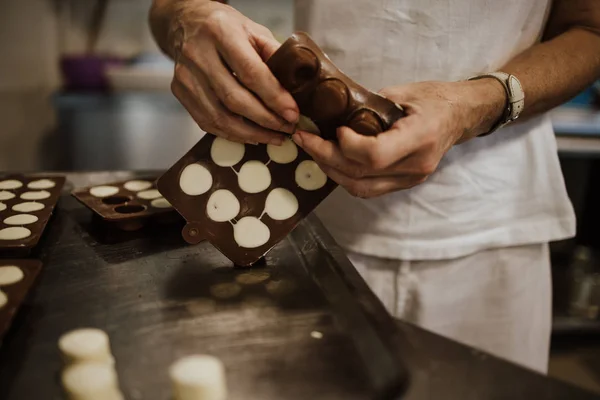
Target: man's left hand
x,y
439,115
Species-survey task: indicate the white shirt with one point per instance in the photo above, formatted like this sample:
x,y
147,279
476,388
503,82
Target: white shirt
x,y
503,190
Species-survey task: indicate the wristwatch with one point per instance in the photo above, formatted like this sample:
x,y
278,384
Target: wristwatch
x,y
515,98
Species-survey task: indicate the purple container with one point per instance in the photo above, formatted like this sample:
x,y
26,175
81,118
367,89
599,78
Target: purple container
x,y
87,72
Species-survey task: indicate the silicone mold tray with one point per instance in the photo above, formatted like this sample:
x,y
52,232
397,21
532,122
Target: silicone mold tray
x,y
128,204
17,278
26,205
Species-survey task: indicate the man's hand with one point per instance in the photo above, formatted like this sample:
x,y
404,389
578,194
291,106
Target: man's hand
x,y
220,74
439,115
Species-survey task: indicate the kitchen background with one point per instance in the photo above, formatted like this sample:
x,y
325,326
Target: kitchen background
x,y
57,115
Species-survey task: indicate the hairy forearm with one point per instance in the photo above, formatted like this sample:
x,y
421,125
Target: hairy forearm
x,y
554,71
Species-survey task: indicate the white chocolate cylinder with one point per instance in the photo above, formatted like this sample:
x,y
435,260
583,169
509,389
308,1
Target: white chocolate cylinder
x,y
86,344
91,381
198,377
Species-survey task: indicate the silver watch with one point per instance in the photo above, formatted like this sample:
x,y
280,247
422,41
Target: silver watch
x,y
515,98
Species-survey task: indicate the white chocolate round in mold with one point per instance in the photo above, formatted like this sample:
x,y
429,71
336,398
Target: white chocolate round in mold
x,y
10,184
3,206
137,185
3,299
14,233
85,344
41,184
254,177
251,232
149,194
226,153
91,381
161,203
309,176
28,206
21,219
195,179
104,191
35,195
10,274
284,154
198,377
5,195
222,206
281,204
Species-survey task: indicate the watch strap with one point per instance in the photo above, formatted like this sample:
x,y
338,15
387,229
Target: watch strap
x,y
515,98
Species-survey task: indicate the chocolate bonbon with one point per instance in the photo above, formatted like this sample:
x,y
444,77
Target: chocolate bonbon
x,y
26,205
127,204
325,94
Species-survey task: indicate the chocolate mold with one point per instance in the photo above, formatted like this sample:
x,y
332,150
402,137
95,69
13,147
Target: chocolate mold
x,y
26,205
325,94
244,199
17,278
128,204
246,204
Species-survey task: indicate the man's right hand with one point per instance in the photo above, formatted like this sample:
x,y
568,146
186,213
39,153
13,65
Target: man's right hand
x,y
221,77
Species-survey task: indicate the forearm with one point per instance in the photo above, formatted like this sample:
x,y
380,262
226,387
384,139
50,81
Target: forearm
x,y
554,71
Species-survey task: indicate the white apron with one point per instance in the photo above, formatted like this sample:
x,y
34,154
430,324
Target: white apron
x,y
503,190
465,254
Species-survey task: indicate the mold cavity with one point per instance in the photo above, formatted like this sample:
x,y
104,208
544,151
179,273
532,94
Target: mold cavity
x,y
130,209
113,200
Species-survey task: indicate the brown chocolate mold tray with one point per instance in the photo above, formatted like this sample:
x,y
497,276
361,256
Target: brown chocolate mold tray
x,y
43,215
220,234
325,94
18,291
125,209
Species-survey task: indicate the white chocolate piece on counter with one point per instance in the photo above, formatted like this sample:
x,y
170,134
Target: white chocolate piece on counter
x,y
309,176
14,233
160,203
226,153
3,299
3,206
91,381
251,232
21,219
137,186
5,195
222,206
281,204
195,179
28,206
198,377
149,194
85,344
254,177
10,274
41,184
36,195
284,154
10,184
104,191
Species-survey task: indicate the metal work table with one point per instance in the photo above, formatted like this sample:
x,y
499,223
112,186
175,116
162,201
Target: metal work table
x,y
152,294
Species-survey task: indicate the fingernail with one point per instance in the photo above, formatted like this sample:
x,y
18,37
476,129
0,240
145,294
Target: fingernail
x,y
297,138
291,116
277,141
